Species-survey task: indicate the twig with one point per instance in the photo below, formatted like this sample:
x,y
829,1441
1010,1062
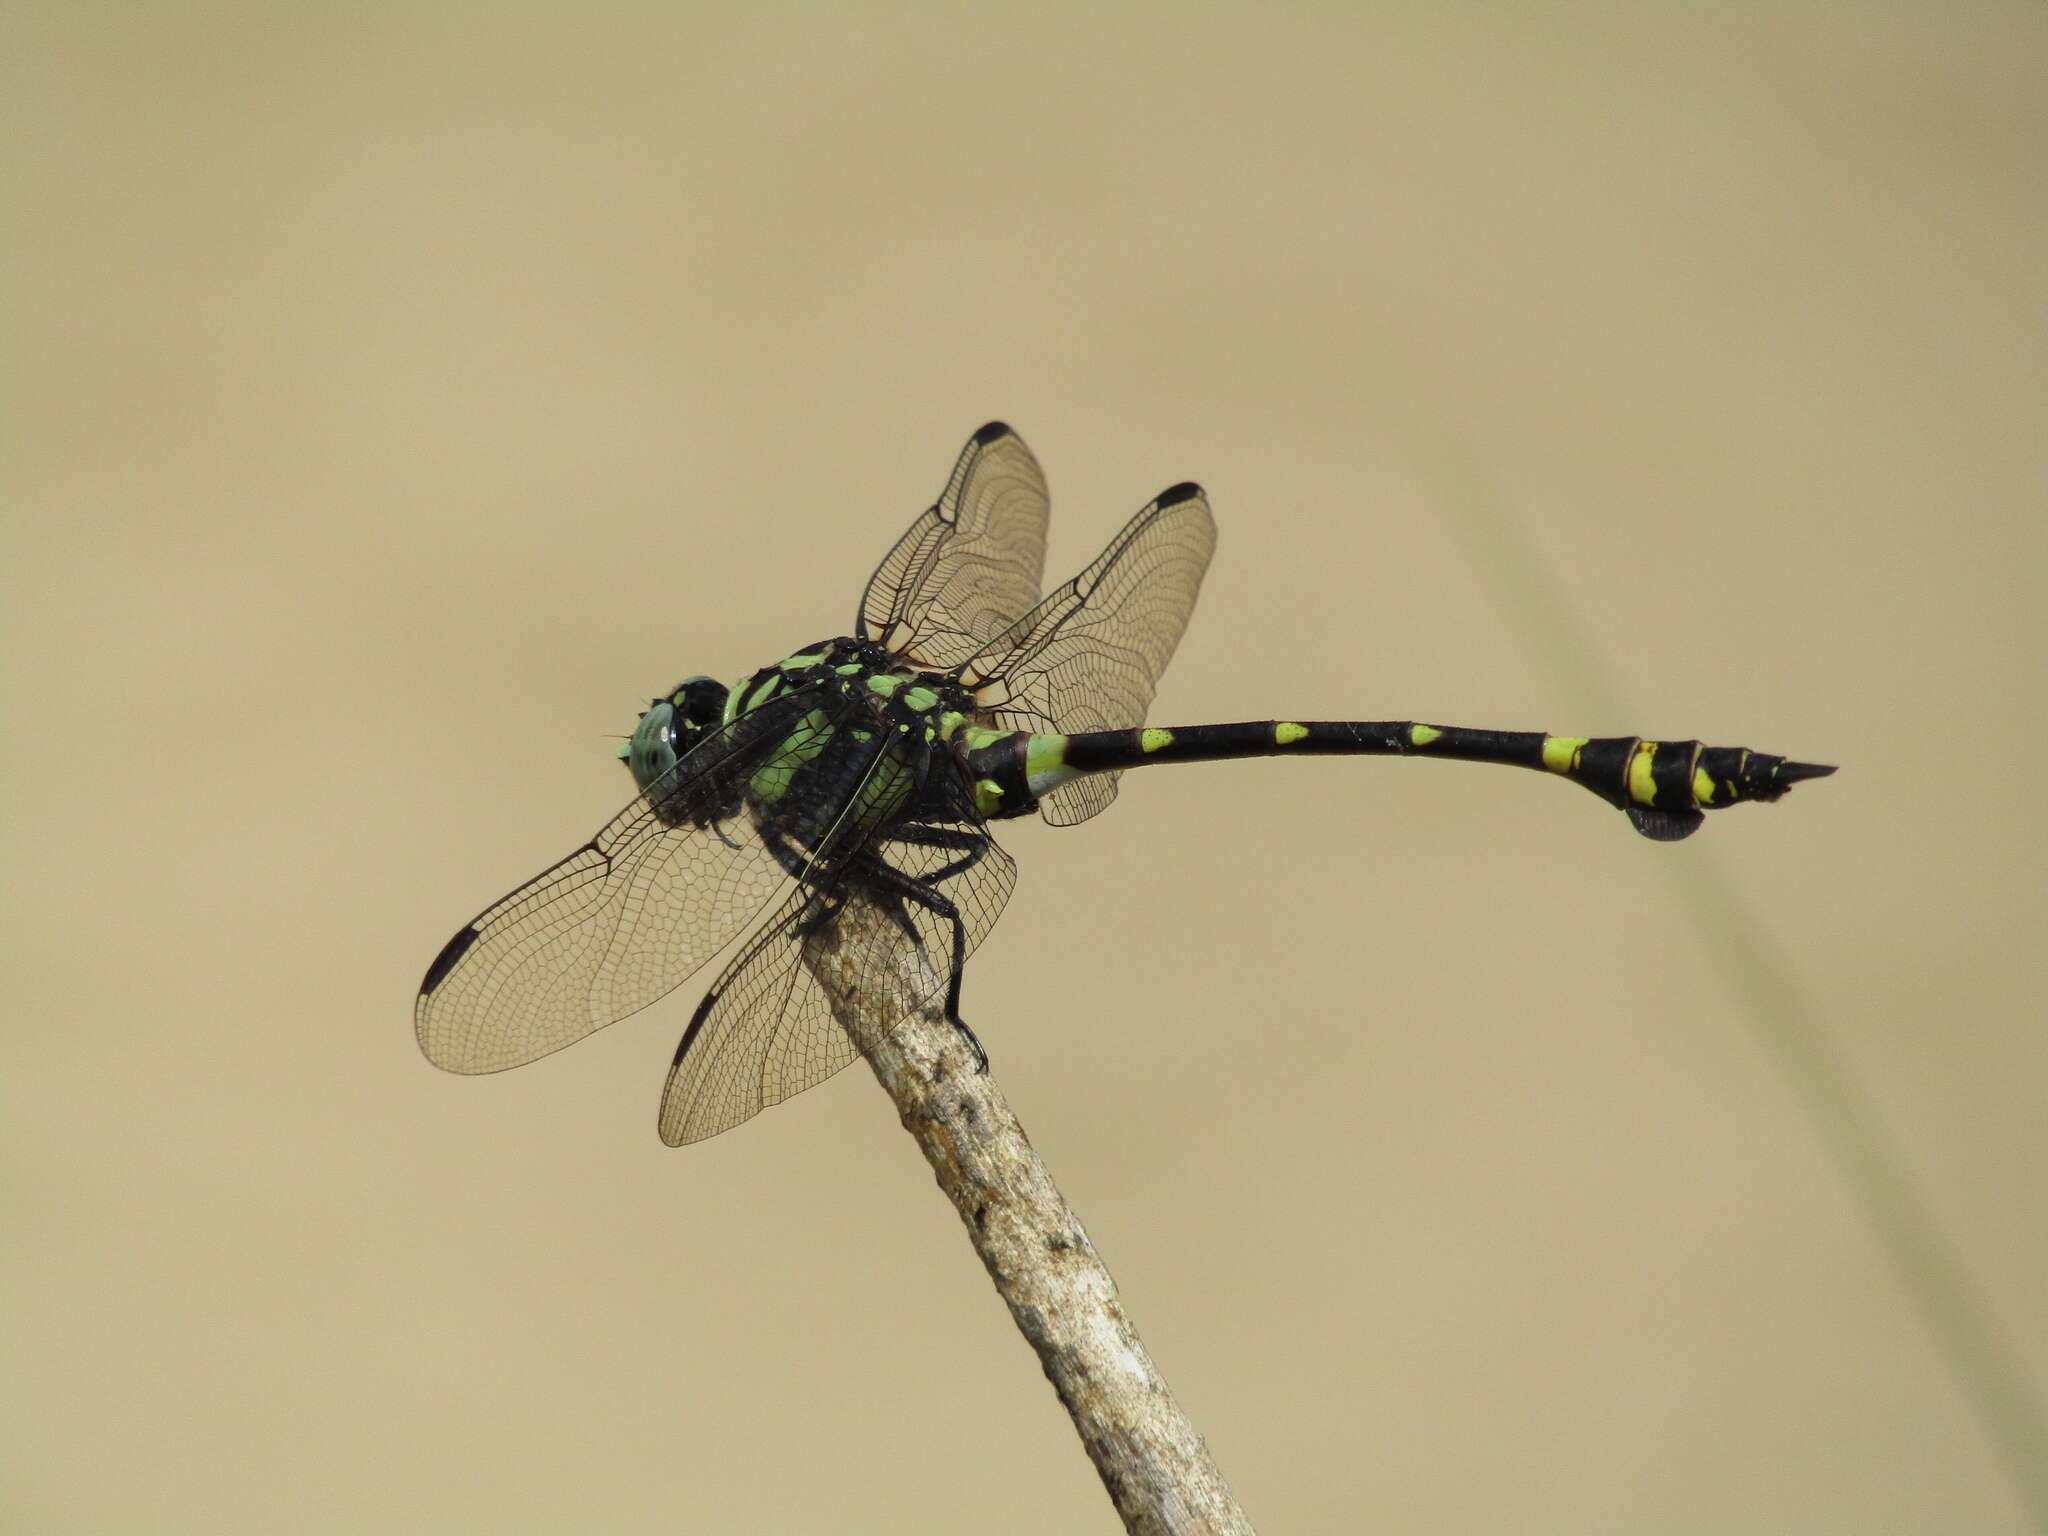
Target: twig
x,y
1151,1458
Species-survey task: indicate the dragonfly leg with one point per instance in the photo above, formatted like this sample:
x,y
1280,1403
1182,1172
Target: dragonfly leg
x,y
973,1044
888,880
818,910
792,858
963,840
900,916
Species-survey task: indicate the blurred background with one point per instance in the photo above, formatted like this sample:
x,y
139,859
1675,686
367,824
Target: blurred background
x,y
396,398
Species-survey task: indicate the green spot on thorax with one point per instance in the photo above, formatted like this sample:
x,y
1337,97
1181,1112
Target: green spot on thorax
x,y
771,781
770,686
883,793
988,797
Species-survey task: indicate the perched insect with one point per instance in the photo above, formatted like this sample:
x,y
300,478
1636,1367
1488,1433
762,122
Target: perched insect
x,y
871,767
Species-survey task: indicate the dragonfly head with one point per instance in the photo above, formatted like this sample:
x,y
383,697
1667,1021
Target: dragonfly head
x,y
672,726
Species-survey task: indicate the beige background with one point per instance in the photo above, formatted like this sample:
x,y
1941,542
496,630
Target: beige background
x,y
395,401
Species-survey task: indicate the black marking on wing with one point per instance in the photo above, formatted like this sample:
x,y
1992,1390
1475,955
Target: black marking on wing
x,y
663,886
1088,658
966,569
444,962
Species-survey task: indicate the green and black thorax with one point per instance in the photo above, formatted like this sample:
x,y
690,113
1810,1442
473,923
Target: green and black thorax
x,y
828,746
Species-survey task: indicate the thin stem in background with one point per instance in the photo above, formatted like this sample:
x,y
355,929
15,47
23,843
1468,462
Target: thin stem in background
x,y
1853,1136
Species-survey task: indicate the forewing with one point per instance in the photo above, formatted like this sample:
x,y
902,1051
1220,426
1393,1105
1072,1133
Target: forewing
x,y
1089,657
967,569
661,888
767,1030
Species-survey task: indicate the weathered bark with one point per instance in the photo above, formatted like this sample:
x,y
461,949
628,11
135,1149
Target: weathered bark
x,y
1151,1458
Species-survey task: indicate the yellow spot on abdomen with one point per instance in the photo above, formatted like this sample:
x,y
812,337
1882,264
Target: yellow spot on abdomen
x,y
1152,739
1422,735
1702,786
1642,785
1286,733
1561,753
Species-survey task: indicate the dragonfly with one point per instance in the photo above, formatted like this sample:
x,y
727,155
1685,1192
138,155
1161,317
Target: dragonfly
x,y
869,770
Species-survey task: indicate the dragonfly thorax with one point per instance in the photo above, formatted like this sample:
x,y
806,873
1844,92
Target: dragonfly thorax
x,y
864,730
842,726
904,699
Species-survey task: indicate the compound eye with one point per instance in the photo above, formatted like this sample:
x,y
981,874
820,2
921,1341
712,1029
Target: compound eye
x,y
700,702
652,751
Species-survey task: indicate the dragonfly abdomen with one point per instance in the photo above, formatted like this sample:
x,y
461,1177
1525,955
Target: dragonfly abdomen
x,y
1662,785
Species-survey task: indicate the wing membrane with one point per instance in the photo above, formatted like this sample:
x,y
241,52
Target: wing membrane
x,y
661,888
1088,658
971,565
762,1033
767,1031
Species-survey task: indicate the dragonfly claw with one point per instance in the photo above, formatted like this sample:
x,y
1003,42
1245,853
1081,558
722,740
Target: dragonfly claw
x,y
974,1045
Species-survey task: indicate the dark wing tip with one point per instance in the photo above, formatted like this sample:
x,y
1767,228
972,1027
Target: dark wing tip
x,y
990,431
446,961
696,1027
1174,495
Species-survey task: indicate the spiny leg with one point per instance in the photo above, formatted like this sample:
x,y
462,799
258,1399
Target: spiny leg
x,y
887,880
890,899
788,853
819,909
961,839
